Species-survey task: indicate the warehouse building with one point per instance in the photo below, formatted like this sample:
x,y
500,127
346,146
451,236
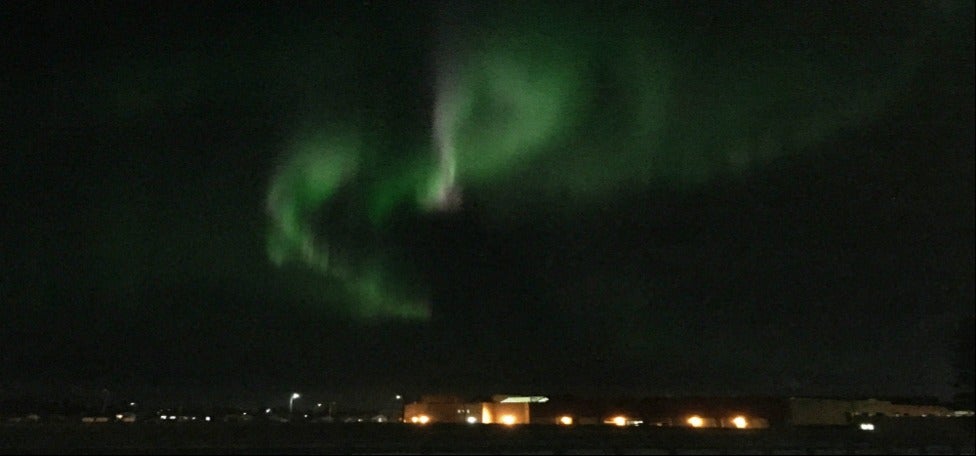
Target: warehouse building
x,y
500,409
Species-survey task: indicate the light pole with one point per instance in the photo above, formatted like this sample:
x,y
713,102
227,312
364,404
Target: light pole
x,y
291,403
399,403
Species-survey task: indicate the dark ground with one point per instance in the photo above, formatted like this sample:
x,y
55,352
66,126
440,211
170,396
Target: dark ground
x,y
953,436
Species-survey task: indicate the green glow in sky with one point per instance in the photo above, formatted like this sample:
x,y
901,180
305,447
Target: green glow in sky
x,y
546,113
314,171
317,168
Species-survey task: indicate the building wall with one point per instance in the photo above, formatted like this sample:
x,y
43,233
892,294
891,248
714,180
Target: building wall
x,y
492,412
438,412
449,410
875,407
819,412
835,412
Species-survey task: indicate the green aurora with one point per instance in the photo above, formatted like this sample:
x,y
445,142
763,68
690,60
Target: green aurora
x,y
529,115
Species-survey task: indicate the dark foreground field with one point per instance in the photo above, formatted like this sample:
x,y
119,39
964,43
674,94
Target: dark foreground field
x,y
944,437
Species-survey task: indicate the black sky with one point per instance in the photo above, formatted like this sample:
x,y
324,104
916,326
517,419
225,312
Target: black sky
x,y
133,238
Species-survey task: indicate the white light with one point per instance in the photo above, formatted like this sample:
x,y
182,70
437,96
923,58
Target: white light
x,y
867,427
522,399
207,418
295,395
472,420
267,410
118,417
162,417
132,404
398,397
172,417
319,404
306,416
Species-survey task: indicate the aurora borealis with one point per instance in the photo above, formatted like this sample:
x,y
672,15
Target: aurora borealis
x,y
555,112
526,197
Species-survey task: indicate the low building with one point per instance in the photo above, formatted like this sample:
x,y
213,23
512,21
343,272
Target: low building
x,y
501,409
95,419
819,412
840,412
703,412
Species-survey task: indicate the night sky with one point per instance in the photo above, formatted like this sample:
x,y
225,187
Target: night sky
x,y
355,199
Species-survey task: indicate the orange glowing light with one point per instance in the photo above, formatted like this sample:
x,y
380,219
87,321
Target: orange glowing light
x,y
620,421
565,420
696,421
508,420
740,422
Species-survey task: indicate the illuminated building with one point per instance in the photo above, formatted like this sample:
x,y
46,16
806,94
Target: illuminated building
x,y
502,409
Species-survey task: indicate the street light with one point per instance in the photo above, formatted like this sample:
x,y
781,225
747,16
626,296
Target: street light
x,y
291,402
399,405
